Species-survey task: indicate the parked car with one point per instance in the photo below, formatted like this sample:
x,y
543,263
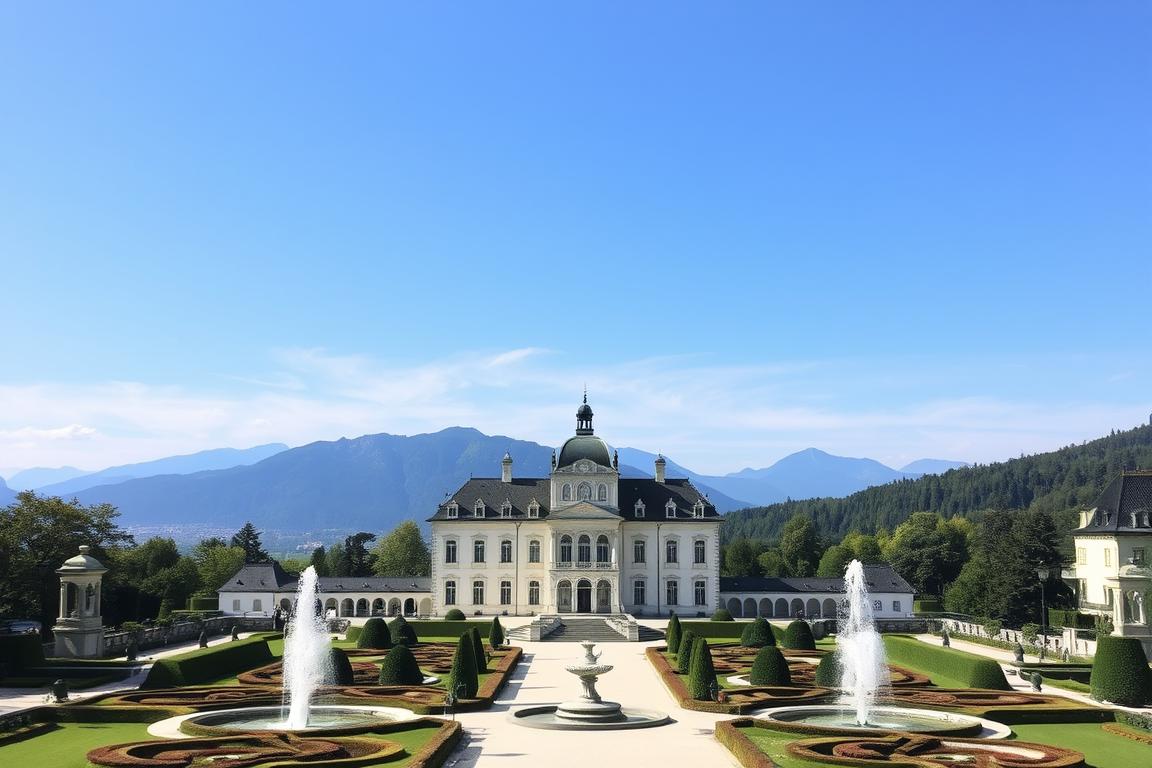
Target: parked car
x,y
19,627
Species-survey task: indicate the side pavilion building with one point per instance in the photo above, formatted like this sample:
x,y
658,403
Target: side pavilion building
x,y
582,540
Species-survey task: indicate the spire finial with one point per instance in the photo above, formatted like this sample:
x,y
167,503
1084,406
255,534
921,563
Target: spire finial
x,y
585,393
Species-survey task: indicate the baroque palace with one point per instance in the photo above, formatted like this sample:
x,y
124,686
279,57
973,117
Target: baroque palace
x,y
582,540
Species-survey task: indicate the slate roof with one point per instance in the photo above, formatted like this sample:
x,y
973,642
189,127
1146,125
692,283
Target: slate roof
x,y
521,491
270,577
375,584
260,577
1125,506
880,577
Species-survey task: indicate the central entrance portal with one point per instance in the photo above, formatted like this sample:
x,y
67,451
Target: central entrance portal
x,y
583,596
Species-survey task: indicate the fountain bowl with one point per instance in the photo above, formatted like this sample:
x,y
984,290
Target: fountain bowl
x,y
323,721
835,720
611,718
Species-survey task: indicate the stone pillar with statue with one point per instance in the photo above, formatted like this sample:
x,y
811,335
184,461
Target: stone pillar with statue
x,y
79,629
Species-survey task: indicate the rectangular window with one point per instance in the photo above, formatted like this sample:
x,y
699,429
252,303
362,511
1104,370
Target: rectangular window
x,y
896,606
533,551
477,551
672,596
639,593
1138,555
533,593
453,512
450,551
505,593
701,593
449,593
638,551
671,552
506,551
698,552
236,606
1081,556
477,593
1107,557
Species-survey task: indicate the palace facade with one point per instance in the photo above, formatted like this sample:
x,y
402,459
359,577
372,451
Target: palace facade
x,y
582,540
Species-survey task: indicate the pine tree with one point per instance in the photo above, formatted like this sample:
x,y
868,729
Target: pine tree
x,y
248,539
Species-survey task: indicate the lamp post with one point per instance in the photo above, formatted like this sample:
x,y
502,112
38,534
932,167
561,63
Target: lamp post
x,y
1042,573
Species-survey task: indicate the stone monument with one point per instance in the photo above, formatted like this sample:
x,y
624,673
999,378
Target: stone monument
x,y
79,630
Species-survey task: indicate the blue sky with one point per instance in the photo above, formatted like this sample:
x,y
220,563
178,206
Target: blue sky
x,y
896,231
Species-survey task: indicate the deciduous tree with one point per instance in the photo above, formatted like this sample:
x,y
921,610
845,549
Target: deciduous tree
x,y
403,552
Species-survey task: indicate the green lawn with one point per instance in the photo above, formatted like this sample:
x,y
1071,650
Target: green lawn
x,y
67,746
1101,749
775,743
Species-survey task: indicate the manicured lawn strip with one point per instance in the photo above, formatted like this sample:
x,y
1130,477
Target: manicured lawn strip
x,y
1068,685
1101,749
772,746
66,746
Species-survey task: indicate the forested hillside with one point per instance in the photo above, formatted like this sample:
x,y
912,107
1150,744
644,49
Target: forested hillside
x,y
1053,482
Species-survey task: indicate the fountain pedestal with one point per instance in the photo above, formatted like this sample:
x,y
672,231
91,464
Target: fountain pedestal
x,y
589,711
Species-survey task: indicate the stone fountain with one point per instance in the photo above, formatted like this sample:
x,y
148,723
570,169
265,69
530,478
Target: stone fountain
x,y
864,674
306,668
589,712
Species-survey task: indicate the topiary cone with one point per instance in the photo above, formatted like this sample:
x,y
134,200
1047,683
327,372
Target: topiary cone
x,y
462,680
798,636
400,668
770,668
496,634
672,635
702,675
478,649
757,634
684,656
375,634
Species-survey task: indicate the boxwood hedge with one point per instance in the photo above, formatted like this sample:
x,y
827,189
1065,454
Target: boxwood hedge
x,y
205,665
1120,673
974,671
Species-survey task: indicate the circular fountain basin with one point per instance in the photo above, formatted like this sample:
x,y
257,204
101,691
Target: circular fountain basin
x,y
322,720
586,716
883,719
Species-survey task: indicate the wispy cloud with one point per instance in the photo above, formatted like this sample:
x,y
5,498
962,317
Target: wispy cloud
x,y
711,417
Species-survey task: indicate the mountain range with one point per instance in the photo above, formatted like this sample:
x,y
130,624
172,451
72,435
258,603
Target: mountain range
x,y
375,481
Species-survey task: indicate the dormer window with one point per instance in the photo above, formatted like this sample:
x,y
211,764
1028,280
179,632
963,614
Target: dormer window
x,y
639,508
478,509
453,510
534,508
506,509
698,509
670,509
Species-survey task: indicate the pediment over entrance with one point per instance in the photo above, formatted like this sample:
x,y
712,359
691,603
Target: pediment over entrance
x,y
583,511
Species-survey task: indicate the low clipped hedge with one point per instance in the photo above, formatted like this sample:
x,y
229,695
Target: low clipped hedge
x,y
454,614
1074,619
353,634
444,628
974,671
927,605
204,603
205,665
714,630
722,614
798,636
1120,673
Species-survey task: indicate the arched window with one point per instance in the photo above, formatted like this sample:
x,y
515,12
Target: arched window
x,y
603,553
450,551
670,509
533,593
506,509
478,509
453,509
533,551
506,551
584,491
566,549
671,552
698,552
602,492
478,551
564,596
534,508
638,509
584,549
450,592
698,509
477,593
566,492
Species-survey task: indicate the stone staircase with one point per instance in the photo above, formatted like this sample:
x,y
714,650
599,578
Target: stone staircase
x,y
575,629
